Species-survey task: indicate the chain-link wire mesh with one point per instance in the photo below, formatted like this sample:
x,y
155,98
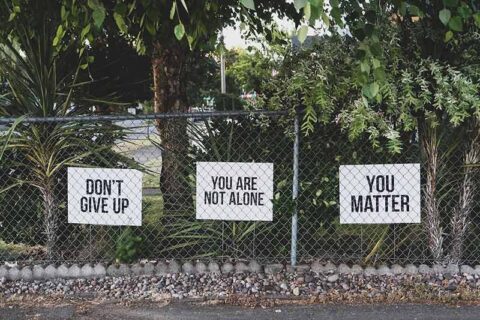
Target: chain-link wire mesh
x,y
181,173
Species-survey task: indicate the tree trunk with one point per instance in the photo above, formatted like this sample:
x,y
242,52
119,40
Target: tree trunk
x,y
461,215
51,219
432,223
169,82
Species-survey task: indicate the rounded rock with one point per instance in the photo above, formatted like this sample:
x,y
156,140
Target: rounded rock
x,y
438,269
62,271
302,268
467,269
317,267
74,271
452,269
50,272
87,271
161,269
241,267
343,269
356,269
397,269
188,268
227,267
112,270
273,268
13,274
38,272
99,270
254,266
330,267
370,271
26,273
148,268
174,267
123,270
411,269
424,269
384,270
201,267
137,269
3,272
213,267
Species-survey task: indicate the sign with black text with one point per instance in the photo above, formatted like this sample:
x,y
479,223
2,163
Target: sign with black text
x,y
234,191
380,193
105,196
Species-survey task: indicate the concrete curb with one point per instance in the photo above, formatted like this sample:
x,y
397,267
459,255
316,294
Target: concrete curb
x,y
161,268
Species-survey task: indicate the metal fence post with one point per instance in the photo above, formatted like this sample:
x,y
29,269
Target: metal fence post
x,y
296,149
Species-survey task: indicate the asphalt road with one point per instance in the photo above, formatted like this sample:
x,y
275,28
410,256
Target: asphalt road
x,y
194,312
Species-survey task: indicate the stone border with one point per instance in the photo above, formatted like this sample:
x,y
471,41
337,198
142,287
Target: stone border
x,y
162,268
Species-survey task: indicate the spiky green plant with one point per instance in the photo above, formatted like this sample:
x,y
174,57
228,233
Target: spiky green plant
x,y
43,82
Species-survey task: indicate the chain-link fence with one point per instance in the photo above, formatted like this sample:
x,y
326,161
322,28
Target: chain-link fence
x,y
231,185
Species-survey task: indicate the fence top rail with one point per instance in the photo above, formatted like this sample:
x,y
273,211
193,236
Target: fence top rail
x,y
152,116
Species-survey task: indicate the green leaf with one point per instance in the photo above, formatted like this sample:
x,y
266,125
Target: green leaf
x,y
249,4
371,90
63,13
84,32
98,13
299,4
58,35
456,24
317,3
326,19
336,15
379,74
448,36
365,67
445,16
150,27
302,33
98,16
190,41
375,49
307,11
120,22
12,16
9,135
179,31
172,10
415,11
93,4
476,17
376,63
464,11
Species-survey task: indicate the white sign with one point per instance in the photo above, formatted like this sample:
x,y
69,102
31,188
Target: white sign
x,y
381,193
105,196
234,191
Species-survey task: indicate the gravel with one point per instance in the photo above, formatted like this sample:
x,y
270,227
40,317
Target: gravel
x,y
326,285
